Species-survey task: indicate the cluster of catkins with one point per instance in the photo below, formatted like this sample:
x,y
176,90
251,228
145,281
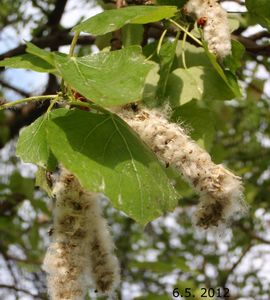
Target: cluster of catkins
x,y
213,19
220,191
81,252
82,248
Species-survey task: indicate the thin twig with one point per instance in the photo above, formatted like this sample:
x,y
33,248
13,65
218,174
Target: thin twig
x,y
29,99
14,88
183,54
161,41
5,286
253,235
234,266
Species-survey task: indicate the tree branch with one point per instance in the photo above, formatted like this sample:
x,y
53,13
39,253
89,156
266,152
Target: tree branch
x,y
55,40
252,47
11,287
53,18
116,41
229,272
253,235
15,89
56,15
259,35
35,4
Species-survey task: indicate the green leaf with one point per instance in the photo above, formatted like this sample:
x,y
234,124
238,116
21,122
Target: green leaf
x,y
29,62
228,77
42,182
178,3
202,83
199,119
166,57
132,34
194,56
113,19
234,61
40,204
33,236
107,156
234,22
107,78
261,10
32,144
22,185
255,90
103,41
150,87
41,53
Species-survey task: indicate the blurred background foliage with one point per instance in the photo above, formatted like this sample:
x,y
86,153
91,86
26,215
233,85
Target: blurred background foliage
x,y
169,252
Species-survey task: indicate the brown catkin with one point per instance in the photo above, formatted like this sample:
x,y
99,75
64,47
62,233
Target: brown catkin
x,y
221,192
78,222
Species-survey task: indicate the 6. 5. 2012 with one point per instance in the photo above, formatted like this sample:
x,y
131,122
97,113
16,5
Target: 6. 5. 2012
x,y
204,293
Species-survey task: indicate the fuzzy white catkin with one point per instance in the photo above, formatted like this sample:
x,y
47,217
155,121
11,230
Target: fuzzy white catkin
x,y
104,269
220,190
216,30
78,223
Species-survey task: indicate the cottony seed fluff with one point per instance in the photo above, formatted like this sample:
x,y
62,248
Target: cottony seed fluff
x,y
104,268
216,29
80,234
220,191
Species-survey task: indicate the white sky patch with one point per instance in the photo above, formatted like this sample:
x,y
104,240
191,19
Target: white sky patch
x,y
263,73
233,6
74,13
252,29
29,81
26,212
257,260
27,169
130,291
263,139
10,38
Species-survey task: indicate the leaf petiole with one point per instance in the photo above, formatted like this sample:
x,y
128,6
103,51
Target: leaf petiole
x,y
52,104
79,103
89,105
186,31
29,99
73,43
161,40
183,48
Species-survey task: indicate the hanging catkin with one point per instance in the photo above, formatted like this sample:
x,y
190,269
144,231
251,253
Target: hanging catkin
x,y
104,269
220,191
216,31
79,230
